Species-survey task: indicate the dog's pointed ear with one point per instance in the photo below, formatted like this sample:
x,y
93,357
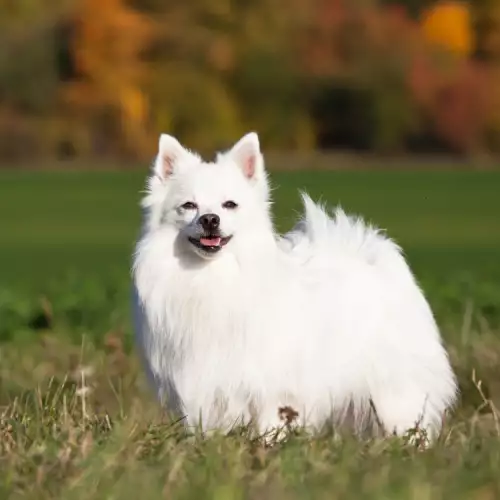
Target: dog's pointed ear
x,y
246,154
170,151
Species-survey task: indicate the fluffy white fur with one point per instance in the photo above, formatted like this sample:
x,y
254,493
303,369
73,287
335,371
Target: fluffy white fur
x,y
327,319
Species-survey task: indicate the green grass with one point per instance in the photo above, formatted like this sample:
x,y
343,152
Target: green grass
x,y
65,245
54,223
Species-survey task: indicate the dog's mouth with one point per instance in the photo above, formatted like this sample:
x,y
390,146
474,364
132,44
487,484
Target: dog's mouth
x,y
210,243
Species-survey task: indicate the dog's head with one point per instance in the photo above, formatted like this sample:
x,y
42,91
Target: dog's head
x,y
210,204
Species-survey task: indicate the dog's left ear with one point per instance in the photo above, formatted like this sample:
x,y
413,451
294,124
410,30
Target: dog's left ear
x,y
170,152
246,154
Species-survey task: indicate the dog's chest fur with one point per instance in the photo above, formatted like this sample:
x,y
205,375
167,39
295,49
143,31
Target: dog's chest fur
x,y
213,342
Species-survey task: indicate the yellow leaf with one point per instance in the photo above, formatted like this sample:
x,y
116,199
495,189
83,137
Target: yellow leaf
x,y
449,25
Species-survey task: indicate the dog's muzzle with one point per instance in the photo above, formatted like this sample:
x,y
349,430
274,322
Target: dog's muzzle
x,y
211,240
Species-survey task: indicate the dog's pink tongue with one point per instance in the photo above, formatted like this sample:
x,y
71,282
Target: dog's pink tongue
x,y
210,242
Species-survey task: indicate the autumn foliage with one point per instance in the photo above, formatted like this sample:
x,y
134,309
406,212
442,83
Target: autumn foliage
x,y
86,78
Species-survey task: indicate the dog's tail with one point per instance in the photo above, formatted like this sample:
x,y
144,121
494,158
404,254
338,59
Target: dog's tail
x,y
340,231
320,233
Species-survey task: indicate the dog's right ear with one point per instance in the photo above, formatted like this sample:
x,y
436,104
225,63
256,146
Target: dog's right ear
x,y
246,154
170,151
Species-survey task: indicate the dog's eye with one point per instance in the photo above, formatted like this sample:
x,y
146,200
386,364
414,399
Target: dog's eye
x,y
189,205
229,204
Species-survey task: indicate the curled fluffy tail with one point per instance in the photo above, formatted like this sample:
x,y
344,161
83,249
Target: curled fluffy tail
x,y
319,233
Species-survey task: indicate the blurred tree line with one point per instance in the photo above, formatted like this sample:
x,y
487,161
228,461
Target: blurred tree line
x,y
87,78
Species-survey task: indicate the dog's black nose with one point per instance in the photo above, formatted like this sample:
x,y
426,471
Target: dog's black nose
x,y
210,222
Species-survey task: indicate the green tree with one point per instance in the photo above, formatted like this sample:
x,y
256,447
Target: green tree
x,y
28,75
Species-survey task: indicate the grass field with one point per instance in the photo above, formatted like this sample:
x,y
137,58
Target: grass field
x,y
77,419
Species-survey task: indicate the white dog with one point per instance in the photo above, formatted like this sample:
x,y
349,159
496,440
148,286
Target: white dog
x,y
237,323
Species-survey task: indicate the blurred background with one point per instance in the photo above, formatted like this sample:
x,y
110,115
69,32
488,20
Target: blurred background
x,y
99,79
390,108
